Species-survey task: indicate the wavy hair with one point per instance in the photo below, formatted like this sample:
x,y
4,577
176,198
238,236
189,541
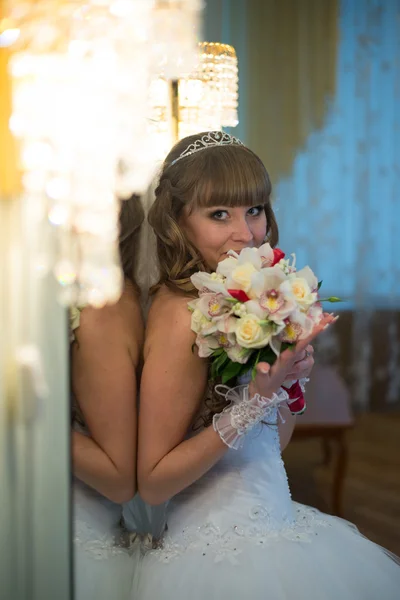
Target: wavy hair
x,y
226,175
131,217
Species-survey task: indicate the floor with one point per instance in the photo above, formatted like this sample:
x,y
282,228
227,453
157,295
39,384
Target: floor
x,y
372,490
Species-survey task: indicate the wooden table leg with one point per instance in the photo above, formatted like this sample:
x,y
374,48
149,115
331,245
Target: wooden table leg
x,y
340,472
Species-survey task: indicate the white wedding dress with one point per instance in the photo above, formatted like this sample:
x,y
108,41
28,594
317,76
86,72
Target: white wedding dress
x,y
103,567
236,533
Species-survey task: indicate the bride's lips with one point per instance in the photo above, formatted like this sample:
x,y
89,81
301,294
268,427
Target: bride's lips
x,y
237,250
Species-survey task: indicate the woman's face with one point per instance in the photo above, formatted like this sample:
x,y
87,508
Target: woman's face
x,y
217,229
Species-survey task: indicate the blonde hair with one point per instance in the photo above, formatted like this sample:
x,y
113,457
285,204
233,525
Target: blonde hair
x,y
228,175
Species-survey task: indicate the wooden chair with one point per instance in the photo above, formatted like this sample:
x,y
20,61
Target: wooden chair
x,y
328,417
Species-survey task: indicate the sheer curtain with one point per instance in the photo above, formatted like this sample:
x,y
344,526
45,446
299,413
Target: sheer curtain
x,y
338,206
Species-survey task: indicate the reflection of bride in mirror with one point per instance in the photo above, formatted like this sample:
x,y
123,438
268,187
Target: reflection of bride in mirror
x,y
232,528
105,357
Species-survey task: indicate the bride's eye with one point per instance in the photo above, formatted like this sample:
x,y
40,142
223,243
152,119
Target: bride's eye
x,y
255,211
219,215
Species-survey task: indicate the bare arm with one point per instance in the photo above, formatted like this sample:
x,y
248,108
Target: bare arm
x,y
172,387
104,383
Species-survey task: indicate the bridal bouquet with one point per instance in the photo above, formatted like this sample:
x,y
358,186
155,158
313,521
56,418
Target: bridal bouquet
x,y
253,307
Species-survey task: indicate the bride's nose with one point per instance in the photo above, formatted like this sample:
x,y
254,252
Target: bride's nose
x,y
241,231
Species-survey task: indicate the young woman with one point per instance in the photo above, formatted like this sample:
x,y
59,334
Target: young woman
x,y
233,529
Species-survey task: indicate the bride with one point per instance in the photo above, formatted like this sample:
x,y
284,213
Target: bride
x,y
106,352
232,528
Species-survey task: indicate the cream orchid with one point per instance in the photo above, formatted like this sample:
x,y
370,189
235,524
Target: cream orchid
x,y
209,282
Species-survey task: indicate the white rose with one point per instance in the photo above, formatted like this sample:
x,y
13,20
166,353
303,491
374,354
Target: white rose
x,y
243,275
250,334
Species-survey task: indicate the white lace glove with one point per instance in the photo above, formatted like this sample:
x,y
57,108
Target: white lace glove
x,y
244,413
303,382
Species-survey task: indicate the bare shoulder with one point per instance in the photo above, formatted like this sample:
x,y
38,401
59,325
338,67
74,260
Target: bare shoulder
x,y
114,324
174,377
169,320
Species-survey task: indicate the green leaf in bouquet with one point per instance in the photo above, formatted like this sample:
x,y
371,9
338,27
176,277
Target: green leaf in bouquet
x,y
218,364
287,346
330,299
214,370
244,369
319,284
221,360
267,355
254,369
217,352
231,371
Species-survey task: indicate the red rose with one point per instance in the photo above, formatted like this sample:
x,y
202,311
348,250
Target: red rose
x,y
278,255
239,295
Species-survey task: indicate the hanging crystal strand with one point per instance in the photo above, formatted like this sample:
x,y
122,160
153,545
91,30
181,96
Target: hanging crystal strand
x,y
176,29
207,96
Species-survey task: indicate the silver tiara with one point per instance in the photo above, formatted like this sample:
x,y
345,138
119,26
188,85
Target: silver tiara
x,y
210,139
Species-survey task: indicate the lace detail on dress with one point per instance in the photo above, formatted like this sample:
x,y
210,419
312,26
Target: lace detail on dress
x,y
102,547
262,530
107,545
262,526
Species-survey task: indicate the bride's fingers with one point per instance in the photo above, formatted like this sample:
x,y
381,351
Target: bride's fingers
x,y
309,351
262,378
283,365
327,320
263,368
271,377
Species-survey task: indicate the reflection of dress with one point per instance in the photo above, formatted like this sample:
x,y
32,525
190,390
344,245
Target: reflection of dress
x,y
236,533
103,567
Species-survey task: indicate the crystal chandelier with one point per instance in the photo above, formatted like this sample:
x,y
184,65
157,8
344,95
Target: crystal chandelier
x,y
80,72
175,25
207,98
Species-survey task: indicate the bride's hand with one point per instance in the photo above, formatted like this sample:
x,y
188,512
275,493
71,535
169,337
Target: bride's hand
x,y
291,364
302,367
